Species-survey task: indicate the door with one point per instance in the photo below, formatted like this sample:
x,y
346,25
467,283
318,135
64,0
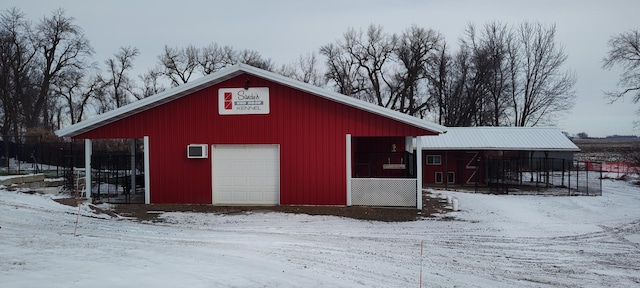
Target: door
x,y
246,174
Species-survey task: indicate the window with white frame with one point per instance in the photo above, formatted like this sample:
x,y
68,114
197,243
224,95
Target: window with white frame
x,y
439,177
434,160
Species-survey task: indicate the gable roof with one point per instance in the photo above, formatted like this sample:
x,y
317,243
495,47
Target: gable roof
x,y
500,138
226,74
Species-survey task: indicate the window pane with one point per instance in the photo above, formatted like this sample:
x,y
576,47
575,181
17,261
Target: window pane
x,y
451,177
434,160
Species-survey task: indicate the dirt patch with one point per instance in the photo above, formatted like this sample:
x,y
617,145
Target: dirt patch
x,y
151,212
607,149
67,201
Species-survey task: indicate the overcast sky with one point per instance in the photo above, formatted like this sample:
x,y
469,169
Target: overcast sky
x,y
284,30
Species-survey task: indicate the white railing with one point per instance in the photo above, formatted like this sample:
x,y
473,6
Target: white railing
x,y
395,192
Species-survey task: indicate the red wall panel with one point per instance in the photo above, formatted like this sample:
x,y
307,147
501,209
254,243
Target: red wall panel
x,y
462,163
309,129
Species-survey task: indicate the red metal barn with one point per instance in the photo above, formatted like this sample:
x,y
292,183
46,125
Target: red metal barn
x,y
245,136
471,155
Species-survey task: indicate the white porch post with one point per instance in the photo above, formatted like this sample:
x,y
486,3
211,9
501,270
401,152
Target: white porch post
x,y
419,171
147,179
87,167
348,169
408,143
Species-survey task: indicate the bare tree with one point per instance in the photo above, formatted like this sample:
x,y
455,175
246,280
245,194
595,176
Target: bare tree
x,y
415,52
483,76
151,83
118,85
179,63
215,57
502,76
465,103
75,90
386,69
359,62
41,66
446,84
17,69
459,83
440,81
342,70
624,51
514,63
305,69
542,89
582,135
62,45
371,54
475,61
253,58
495,41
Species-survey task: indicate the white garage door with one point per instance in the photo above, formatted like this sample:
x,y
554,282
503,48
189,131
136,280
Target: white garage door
x,y
246,174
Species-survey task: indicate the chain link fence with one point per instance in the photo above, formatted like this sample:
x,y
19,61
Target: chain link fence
x,y
544,176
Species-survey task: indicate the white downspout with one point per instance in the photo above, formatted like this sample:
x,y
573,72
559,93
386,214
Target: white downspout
x,y
87,168
348,169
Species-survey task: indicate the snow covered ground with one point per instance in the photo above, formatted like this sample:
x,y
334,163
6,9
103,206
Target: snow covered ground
x,y
494,241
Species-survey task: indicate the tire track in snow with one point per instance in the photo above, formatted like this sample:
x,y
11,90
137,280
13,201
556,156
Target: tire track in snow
x,y
380,267
563,260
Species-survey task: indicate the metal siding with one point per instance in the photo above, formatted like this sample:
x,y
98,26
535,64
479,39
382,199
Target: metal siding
x,y
310,130
452,161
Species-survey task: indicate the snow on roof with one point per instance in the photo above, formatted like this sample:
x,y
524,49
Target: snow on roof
x,y
226,74
500,138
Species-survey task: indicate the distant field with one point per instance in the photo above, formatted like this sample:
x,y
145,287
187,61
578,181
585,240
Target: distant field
x,y
608,149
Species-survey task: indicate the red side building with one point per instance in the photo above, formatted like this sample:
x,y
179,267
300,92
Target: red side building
x,y
245,136
486,155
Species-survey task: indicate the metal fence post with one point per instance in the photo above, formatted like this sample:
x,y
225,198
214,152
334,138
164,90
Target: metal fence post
x,y
587,183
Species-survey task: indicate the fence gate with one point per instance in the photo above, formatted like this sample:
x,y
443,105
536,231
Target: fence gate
x,y
111,178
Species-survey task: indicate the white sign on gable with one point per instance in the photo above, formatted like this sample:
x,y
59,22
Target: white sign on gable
x,y
239,101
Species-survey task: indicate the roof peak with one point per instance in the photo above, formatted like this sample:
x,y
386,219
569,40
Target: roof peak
x,y
226,74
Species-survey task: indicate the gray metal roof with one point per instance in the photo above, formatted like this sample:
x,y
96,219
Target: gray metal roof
x,y
500,138
228,73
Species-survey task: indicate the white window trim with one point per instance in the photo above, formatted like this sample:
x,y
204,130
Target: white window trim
x,y
439,157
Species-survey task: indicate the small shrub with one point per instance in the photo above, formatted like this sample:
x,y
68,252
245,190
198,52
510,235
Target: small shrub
x,y
624,177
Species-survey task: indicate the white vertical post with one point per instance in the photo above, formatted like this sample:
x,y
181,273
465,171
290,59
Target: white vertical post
x,y
87,167
213,173
419,171
348,169
147,180
408,143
